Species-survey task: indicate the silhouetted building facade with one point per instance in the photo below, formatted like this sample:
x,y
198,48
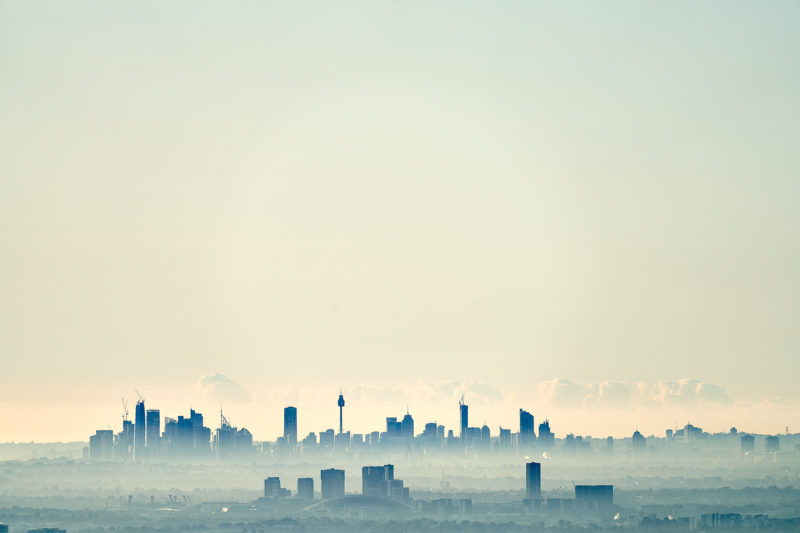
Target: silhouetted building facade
x,y
101,445
407,427
547,438
332,483
533,480
153,430
594,497
464,418
376,480
140,431
305,488
272,487
526,431
290,425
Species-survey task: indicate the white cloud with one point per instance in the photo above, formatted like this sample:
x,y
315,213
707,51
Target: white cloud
x,y
564,394
221,389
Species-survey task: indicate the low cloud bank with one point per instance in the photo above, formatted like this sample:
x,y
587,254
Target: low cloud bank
x,y
564,394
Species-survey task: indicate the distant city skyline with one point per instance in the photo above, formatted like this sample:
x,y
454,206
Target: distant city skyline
x,y
393,196
189,438
651,408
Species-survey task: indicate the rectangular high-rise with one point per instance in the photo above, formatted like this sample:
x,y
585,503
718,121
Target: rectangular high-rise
x,y
139,431
526,431
332,483
290,425
272,487
464,414
305,488
533,480
376,480
101,445
153,428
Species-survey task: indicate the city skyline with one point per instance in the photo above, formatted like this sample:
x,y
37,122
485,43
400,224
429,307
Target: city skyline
x,y
188,438
299,415
386,196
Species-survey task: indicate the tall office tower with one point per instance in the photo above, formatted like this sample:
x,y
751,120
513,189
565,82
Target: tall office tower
x,y
125,440
326,438
340,403
290,425
153,428
376,480
533,480
486,437
407,426
610,443
139,430
505,438
547,438
272,487
526,433
464,412
101,445
393,427
305,488
332,483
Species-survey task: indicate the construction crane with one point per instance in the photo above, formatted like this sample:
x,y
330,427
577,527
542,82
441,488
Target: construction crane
x,y
124,410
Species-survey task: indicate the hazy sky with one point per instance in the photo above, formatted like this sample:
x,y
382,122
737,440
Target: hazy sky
x,y
508,198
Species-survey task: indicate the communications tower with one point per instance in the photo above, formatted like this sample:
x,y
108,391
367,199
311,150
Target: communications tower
x,y
340,403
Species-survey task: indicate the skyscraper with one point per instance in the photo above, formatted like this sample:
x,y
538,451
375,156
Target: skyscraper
x,y
547,438
305,488
153,428
375,480
290,425
407,426
526,432
332,483
272,487
464,412
139,430
533,480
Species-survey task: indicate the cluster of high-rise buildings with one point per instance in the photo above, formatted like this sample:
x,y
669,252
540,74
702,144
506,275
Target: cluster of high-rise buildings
x,y
382,491
187,437
400,431
182,437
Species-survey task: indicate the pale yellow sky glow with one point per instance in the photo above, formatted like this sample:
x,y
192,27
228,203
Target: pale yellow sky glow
x,y
587,210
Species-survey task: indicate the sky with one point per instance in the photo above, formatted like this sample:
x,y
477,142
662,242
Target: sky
x,y
585,209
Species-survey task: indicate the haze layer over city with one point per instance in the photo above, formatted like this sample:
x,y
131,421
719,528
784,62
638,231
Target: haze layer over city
x,y
420,266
